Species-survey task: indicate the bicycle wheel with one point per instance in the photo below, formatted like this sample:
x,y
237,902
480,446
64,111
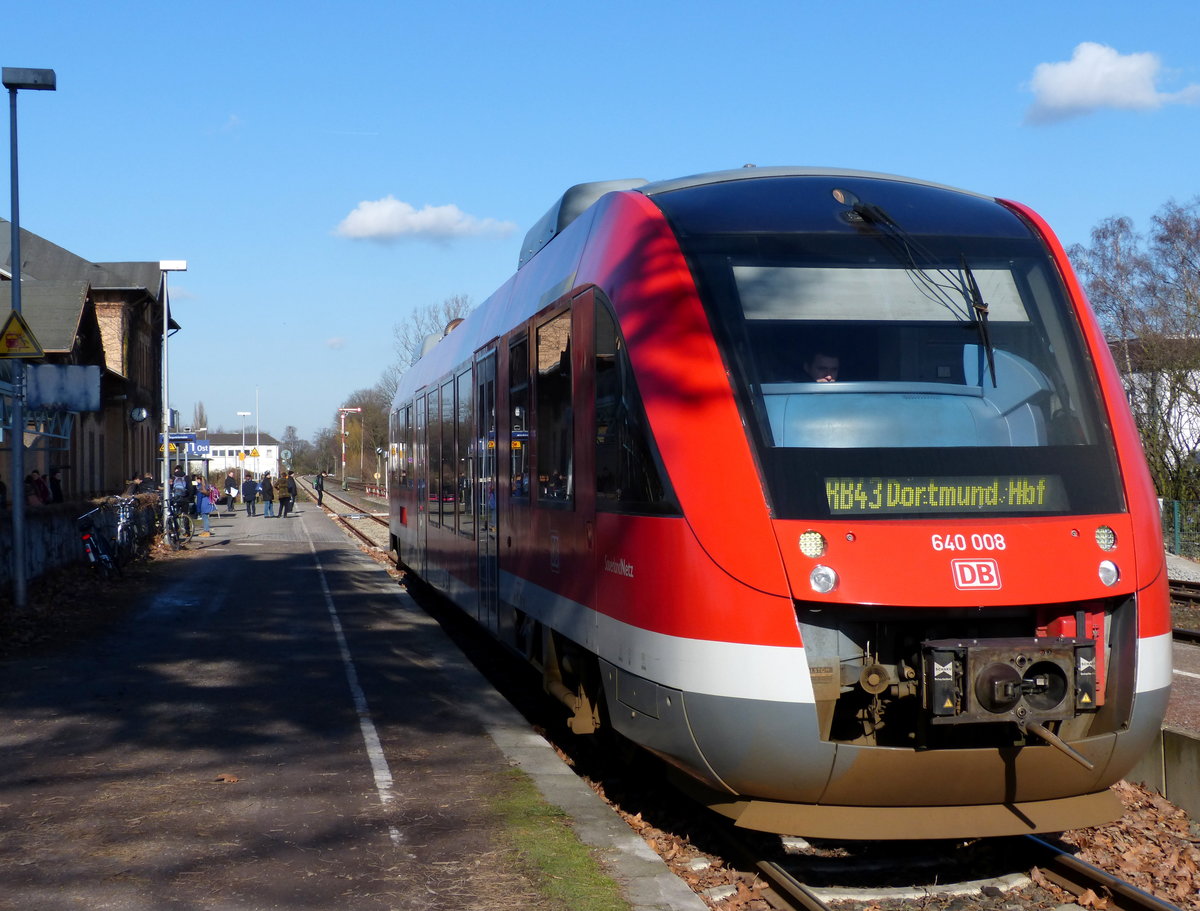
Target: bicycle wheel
x,y
125,545
185,528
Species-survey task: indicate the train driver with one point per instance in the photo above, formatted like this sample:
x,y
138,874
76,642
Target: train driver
x,y
821,367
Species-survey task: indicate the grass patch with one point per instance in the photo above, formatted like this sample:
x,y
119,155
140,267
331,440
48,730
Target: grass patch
x,y
541,838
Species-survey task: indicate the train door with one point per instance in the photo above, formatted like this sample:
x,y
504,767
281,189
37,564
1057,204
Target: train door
x,y
487,497
563,465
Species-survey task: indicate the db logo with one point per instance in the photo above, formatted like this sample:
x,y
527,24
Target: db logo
x,y
975,573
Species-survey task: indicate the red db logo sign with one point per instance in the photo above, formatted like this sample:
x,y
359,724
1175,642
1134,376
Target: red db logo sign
x,y
975,574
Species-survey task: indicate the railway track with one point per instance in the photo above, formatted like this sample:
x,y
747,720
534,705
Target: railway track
x,y
351,514
1187,594
787,888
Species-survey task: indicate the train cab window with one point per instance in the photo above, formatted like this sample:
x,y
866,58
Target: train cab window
x,y
628,476
555,415
518,403
961,367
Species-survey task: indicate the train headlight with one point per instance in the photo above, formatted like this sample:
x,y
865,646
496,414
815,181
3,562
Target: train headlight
x,y
1109,574
1106,538
823,579
812,544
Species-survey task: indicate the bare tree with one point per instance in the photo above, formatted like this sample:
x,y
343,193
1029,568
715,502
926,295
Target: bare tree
x,y
199,415
1146,293
430,320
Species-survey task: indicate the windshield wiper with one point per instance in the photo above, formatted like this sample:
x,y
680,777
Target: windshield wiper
x,y
943,286
980,308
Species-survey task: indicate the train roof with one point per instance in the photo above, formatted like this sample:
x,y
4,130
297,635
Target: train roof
x,y
577,199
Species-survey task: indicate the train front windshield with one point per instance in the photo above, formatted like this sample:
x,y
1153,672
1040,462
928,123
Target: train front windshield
x,y
912,354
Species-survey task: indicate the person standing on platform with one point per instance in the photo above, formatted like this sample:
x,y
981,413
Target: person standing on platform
x,y
250,493
204,505
293,495
268,495
319,486
231,490
282,495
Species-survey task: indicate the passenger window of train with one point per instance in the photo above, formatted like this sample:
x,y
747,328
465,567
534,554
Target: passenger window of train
x,y
465,462
555,416
627,474
448,499
433,456
518,403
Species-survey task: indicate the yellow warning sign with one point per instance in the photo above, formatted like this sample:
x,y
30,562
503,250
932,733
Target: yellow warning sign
x,y
17,339
1085,700
254,453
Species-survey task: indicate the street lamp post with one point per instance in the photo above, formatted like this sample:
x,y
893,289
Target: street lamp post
x,y
343,412
243,415
15,79
165,266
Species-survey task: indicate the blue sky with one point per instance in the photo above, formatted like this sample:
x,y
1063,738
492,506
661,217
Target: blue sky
x,y
325,169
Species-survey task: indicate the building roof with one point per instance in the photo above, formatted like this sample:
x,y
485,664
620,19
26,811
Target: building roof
x,y
52,310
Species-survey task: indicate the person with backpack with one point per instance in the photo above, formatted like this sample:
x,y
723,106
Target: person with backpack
x,y
204,505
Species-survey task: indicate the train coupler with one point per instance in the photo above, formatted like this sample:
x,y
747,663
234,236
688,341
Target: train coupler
x,y
1023,680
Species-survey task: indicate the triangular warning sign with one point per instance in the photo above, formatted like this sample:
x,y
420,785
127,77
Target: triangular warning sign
x,y
1085,700
17,340
949,703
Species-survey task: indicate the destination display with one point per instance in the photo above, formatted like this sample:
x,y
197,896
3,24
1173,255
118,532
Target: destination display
x,y
900,496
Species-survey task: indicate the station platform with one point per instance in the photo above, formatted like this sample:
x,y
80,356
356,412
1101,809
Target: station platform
x,y
279,725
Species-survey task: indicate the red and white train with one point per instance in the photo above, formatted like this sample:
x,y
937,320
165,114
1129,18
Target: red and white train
x,y
821,485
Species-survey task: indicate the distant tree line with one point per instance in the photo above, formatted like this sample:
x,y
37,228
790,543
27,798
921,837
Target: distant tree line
x,y
1145,289
366,438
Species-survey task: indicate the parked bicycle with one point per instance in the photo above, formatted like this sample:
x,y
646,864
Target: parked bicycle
x,y
128,542
178,529
95,548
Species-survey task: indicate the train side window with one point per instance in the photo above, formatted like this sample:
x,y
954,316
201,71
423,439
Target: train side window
x,y
555,416
433,455
518,403
448,497
465,462
629,477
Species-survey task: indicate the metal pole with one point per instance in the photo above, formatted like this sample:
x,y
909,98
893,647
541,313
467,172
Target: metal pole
x,y
18,404
166,409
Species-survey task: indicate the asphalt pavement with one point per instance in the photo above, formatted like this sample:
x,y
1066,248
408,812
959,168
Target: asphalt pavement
x,y
280,726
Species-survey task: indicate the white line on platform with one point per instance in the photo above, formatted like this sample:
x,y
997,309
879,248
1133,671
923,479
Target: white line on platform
x,y
1188,674
379,764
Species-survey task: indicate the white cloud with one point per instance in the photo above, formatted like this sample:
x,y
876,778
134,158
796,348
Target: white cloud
x,y
391,219
1099,77
336,343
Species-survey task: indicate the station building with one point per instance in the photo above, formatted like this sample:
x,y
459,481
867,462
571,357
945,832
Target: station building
x,y
258,453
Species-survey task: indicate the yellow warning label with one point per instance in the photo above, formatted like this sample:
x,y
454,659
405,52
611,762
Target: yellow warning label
x,y
949,703
17,339
1085,700
254,453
